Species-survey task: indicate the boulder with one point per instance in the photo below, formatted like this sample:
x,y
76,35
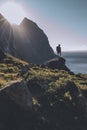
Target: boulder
x,y
15,106
78,99
57,63
18,93
2,54
73,89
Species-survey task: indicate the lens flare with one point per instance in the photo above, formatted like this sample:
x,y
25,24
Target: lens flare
x,y
13,12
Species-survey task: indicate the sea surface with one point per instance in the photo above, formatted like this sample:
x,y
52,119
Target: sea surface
x,y
76,61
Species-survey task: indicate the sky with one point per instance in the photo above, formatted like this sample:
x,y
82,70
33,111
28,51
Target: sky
x,y
63,21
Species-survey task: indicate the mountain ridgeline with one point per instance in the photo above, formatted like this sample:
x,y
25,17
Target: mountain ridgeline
x,y
25,41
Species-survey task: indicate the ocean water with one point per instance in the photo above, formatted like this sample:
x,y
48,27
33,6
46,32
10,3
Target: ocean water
x,y
76,61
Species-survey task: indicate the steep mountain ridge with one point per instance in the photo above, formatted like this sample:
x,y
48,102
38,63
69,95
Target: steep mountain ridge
x,y
6,35
26,41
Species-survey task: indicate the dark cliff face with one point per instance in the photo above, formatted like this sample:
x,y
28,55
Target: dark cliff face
x,y
26,41
6,36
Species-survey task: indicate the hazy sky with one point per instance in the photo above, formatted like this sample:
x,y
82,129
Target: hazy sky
x,y
64,21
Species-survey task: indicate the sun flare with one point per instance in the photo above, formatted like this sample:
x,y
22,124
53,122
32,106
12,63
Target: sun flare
x,y
13,12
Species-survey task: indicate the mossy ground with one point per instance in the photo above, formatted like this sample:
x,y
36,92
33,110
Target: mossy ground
x,y
40,80
10,67
54,104
54,107
51,80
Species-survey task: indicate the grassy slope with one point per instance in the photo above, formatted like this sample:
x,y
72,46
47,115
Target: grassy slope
x,y
54,106
9,69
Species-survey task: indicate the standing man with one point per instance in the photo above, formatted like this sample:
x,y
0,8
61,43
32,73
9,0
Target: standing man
x,y
58,49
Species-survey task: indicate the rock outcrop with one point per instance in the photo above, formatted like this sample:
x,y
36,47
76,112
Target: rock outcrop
x,y
15,106
2,55
26,41
18,93
57,63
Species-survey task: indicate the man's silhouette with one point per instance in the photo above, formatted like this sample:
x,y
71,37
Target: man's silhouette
x,y
58,49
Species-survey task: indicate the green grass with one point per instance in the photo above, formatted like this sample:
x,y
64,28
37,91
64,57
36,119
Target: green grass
x,y
10,67
48,79
54,106
54,79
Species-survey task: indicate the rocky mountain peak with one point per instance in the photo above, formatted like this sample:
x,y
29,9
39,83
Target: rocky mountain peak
x,y
3,19
25,20
26,41
1,16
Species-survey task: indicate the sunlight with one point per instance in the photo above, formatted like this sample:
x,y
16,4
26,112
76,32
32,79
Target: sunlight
x,y
13,12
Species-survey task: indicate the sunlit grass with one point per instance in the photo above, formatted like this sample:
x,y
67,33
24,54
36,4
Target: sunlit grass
x,y
10,68
50,79
52,100
53,79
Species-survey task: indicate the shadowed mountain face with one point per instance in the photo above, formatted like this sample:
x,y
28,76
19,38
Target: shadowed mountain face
x,y
6,36
26,41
